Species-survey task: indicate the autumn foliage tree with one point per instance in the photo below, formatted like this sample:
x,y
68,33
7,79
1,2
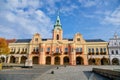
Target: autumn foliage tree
x,y
3,46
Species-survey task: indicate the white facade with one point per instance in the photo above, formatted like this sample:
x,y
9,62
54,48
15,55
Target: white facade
x,y
18,51
114,50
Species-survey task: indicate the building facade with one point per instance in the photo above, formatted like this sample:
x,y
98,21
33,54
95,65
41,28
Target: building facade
x,y
114,50
58,50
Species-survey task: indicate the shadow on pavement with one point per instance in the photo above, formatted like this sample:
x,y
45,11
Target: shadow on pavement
x,y
93,76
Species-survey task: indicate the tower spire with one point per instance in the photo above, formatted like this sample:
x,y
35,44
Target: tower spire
x,y
58,23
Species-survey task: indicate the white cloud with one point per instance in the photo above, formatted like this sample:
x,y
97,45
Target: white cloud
x,y
113,18
24,18
88,3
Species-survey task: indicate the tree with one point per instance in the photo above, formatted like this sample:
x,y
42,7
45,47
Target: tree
x,y
3,46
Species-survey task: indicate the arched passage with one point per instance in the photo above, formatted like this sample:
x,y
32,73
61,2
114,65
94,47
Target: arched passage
x,y
48,60
23,59
115,61
2,59
79,61
91,61
12,59
104,61
66,60
57,61
35,59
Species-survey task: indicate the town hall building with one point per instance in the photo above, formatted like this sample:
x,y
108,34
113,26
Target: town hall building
x,y
58,50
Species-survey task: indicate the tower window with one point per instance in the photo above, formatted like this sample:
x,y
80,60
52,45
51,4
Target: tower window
x,y
57,37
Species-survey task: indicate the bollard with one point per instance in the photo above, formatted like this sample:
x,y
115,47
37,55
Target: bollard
x,y
52,72
57,67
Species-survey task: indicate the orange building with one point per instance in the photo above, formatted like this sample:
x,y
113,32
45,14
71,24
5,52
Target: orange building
x,y
58,50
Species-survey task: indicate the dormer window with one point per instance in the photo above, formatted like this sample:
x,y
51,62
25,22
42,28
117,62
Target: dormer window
x,y
78,39
36,39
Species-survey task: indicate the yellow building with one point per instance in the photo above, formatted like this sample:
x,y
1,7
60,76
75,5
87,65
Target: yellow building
x,y
58,50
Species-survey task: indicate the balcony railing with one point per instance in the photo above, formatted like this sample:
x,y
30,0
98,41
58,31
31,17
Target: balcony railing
x,y
56,54
47,53
12,52
65,53
103,53
23,52
97,53
35,52
91,53
78,53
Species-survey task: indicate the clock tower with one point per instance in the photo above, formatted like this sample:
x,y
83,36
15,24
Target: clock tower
x,y
57,31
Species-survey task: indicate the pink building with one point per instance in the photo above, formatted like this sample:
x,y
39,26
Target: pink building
x,y
60,51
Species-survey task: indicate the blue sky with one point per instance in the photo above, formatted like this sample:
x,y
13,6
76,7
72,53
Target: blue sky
x,y
94,19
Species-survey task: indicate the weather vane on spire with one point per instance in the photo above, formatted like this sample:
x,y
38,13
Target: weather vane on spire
x,y
58,12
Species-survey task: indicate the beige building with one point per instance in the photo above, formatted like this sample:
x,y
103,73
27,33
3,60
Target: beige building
x,y
59,50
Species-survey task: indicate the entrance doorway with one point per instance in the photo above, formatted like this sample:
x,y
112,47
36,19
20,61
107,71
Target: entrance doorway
x,y
35,59
57,61
79,61
48,60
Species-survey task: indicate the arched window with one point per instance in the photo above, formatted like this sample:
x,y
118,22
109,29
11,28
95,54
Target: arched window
x,y
57,37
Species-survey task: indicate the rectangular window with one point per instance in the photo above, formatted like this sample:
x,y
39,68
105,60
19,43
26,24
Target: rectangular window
x,y
77,49
66,49
112,52
80,49
104,49
48,49
57,50
96,50
89,50
116,51
25,49
92,50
